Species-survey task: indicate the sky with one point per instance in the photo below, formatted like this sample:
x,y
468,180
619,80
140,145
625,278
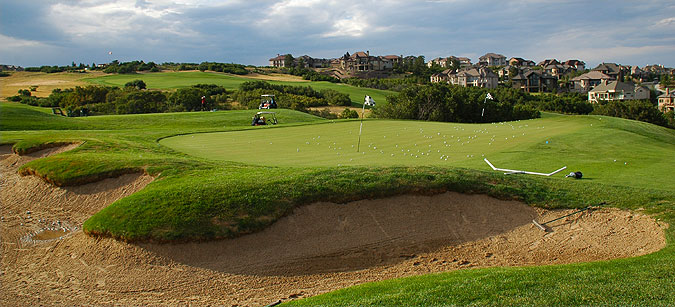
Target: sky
x,y
51,32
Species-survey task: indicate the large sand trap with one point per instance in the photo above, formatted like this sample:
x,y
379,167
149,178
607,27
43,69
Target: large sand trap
x,y
319,248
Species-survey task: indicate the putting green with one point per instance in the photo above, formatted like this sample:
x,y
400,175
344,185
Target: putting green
x,y
383,143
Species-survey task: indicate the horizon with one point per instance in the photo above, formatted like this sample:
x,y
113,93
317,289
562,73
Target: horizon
x,y
251,32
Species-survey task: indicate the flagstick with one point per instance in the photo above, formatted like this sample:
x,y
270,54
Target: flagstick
x,y
482,112
361,127
485,100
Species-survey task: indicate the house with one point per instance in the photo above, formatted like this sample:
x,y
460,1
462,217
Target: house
x,y
667,101
492,59
520,62
442,62
10,68
547,62
585,82
305,60
576,64
464,62
478,77
534,81
311,62
617,90
556,69
363,62
443,76
279,61
656,69
395,59
615,71
447,62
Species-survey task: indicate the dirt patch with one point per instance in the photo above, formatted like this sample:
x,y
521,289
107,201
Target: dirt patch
x,y
319,248
276,77
9,86
340,109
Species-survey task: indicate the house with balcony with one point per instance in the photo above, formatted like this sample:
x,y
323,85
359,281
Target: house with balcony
x,y
589,80
492,59
478,77
443,76
279,61
617,90
534,81
615,71
667,101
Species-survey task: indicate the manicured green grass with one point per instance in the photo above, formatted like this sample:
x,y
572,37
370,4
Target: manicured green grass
x,y
173,80
215,195
582,143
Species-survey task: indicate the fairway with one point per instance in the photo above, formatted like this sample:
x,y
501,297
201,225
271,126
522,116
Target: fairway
x,y
173,80
541,145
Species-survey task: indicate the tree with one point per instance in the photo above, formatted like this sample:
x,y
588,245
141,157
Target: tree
x,y
301,63
189,99
419,68
665,81
289,61
348,113
138,84
513,71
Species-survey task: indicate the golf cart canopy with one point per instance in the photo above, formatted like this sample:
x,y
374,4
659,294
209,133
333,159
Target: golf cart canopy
x,y
267,102
259,118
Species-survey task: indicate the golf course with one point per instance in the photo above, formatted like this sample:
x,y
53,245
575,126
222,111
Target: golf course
x,y
173,80
203,208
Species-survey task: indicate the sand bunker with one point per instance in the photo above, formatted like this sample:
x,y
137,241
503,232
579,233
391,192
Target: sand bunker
x,y
319,248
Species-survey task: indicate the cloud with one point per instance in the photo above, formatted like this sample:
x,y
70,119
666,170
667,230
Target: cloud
x,y
251,31
11,43
96,19
665,23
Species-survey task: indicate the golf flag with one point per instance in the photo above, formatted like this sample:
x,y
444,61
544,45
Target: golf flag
x,y
369,101
488,96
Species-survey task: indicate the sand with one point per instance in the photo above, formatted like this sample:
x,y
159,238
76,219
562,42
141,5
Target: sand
x,y
318,248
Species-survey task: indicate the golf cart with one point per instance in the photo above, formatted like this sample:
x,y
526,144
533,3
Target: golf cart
x,y
267,102
259,118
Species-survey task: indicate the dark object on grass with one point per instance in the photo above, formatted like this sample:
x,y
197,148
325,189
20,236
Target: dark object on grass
x,y
575,175
542,226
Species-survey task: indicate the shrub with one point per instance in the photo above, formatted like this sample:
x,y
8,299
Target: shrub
x,y
642,110
447,103
335,98
349,113
138,84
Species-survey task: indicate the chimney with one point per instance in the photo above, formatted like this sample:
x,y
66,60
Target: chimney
x,y
368,52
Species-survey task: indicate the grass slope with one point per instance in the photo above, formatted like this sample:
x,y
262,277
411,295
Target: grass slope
x,y
173,80
205,198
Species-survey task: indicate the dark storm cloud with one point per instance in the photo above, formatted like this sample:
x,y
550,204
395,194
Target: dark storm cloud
x,y
250,32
